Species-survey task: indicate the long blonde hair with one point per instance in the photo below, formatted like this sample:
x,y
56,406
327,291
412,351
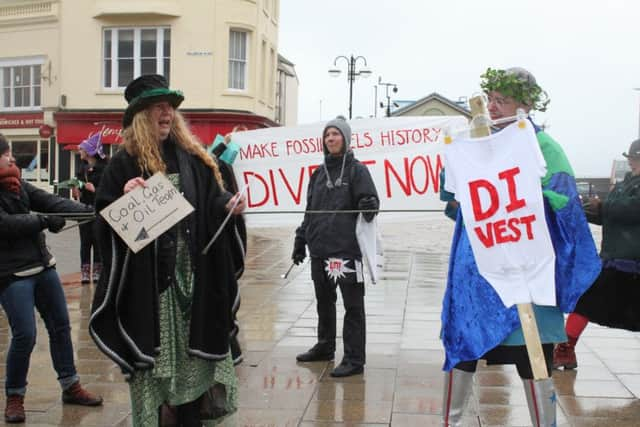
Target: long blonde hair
x,y
140,141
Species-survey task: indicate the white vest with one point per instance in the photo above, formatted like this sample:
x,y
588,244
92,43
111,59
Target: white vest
x,y
496,179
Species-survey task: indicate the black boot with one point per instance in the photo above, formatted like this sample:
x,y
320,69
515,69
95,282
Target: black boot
x,y
346,369
315,354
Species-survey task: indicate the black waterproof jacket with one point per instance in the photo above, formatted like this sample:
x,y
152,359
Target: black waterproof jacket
x,y
124,320
22,241
619,216
92,174
334,234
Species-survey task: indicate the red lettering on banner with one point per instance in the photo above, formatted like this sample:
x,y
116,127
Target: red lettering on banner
x,y
250,202
273,187
406,185
298,194
409,136
303,146
264,150
409,182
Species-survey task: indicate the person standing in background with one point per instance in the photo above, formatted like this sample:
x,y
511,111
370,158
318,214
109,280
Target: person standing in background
x,y
93,164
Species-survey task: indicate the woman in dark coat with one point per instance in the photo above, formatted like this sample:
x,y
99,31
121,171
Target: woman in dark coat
x,y
28,281
613,299
163,313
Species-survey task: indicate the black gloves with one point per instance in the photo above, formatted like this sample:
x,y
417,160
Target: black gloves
x,y
368,203
299,252
53,223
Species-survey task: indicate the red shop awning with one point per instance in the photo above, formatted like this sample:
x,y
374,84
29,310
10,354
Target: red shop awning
x,y
74,127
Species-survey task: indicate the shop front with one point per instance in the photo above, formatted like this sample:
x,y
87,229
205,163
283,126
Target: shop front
x,y
32,144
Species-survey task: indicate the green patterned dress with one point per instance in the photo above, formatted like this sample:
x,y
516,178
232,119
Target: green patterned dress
x,y
178,378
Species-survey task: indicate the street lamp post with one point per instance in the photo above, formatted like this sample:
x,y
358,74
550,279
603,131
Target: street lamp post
x,y
352,73
387,86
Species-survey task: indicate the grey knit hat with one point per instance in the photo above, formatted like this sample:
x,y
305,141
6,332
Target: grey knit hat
x,y
341,124
343,127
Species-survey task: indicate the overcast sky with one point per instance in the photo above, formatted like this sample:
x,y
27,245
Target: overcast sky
x,y
585,54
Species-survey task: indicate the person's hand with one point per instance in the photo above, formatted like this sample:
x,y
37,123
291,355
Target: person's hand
x,y
53,223
133,183
227,138
75,193
369,203
90,187
240,207
299,252
592,205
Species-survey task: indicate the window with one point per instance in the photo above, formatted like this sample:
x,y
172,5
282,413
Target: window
x,y
20,86
272,77
131,52
238,60
263,64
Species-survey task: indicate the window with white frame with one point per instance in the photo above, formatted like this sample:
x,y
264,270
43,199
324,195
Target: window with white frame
x,y
21,86
238,44
131,52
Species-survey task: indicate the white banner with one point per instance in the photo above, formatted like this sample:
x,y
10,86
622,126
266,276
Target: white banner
x,y
404,156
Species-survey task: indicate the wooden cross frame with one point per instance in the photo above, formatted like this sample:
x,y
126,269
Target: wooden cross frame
x,y
525,311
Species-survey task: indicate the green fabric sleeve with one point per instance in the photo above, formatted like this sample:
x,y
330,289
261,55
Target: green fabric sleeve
x,y
554,156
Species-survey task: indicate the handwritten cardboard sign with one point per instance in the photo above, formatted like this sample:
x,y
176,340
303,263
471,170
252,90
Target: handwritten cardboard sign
x,y
143,214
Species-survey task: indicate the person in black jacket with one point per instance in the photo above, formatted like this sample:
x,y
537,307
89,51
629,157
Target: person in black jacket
x,y
238,242
93,163
163,313
28,280
613,298
341,183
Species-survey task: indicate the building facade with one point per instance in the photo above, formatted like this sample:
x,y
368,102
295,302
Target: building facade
x,y
64,65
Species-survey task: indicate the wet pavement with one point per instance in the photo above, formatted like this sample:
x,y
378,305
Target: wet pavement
x,y
402,382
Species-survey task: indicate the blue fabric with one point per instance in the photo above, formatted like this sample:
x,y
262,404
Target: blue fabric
x,y
44,292
474,319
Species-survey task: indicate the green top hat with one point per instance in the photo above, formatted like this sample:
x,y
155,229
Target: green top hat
x,y
144,91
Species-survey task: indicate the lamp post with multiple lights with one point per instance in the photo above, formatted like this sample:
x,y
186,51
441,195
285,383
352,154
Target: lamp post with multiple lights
x,y
352,73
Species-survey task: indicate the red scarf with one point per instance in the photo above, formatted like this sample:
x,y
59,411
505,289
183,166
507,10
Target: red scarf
x,y
10,178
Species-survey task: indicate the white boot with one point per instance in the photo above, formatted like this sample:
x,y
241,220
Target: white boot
x,y
541,398
458,388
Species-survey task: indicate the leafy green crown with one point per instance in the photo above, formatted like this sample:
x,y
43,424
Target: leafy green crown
x,y
515,86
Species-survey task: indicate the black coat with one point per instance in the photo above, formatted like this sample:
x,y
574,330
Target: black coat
x,y
92,174
239,241
334,234
124,319
22,242
619,215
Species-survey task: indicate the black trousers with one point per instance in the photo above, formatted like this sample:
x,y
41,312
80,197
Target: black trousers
x,y
88,241
512,355
353,328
